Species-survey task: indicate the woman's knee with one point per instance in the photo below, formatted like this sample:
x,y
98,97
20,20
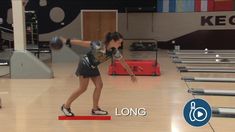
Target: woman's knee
x,y
99,85
83,84
82,89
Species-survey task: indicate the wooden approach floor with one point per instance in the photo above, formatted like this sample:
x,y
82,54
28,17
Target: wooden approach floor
x,y
34,105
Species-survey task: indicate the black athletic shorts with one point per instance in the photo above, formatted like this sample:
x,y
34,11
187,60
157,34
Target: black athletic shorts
x,y
86,70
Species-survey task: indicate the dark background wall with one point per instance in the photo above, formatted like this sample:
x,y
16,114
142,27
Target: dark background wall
x,y
183,27
71,9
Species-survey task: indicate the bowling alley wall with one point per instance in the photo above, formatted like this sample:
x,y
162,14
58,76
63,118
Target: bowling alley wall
x,y
192,24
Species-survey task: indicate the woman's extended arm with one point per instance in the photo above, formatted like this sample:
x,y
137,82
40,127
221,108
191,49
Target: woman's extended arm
x,y
127,67
76,42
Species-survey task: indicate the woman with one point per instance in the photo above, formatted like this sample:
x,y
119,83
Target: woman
x,y
87,68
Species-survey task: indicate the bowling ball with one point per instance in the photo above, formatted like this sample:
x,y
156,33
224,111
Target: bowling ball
x,y
56,43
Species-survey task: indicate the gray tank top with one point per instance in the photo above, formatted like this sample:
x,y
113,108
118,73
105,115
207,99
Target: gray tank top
x,y
99,54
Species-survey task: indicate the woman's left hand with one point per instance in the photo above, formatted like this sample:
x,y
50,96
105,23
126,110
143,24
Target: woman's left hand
x,y
133,78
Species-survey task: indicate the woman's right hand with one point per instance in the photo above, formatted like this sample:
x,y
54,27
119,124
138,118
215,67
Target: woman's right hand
x,y
63,39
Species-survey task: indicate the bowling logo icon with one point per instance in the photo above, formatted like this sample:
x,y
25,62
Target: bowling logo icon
x,y
197,112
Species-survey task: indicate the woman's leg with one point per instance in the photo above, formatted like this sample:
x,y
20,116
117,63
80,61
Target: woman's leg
x,y
82,88
98,88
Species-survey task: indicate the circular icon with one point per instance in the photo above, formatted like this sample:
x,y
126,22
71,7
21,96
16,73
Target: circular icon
x,y
57,14
197,112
